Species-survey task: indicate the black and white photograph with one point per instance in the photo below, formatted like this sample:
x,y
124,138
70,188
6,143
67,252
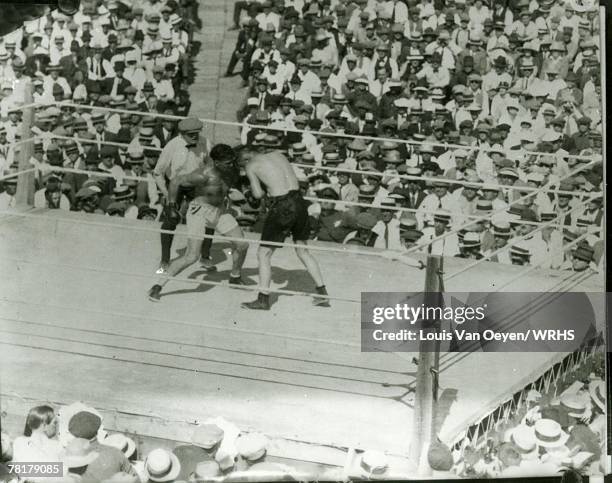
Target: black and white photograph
x,y
302,240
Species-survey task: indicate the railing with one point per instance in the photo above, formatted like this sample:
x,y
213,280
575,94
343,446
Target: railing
x,y
547,382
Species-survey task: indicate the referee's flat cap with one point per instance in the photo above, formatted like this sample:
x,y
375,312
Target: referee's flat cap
x,y
190,124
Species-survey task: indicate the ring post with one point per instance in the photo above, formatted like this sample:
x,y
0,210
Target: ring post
x,y
25,181
424,403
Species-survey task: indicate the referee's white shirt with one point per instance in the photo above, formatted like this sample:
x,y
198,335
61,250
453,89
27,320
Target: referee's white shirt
x,y
177,159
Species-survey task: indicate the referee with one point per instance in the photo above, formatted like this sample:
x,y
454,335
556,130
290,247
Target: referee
x,y
182,155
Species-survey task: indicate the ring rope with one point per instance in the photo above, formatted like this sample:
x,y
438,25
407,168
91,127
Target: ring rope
x,y
441,180
530,268
302,131
405,210
199,324
13,175
100,174
419,246
26,140
93,141
311,198
185,280
454,231
510,321
489,216
373,253
522,237
353,171
34,105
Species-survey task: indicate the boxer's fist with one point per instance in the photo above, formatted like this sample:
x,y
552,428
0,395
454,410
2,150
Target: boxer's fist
x,y
171,213
251,200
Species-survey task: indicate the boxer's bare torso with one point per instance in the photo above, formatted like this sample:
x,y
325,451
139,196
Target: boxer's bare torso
x,y
273,170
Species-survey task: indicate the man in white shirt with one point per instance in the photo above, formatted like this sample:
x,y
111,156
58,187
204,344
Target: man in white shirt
x,y
396,11
440,199
54,78
162,87
58,49
267,16
387,229
435,238
7,197
310,81
266,52
182,155
133,72
51,195
434,73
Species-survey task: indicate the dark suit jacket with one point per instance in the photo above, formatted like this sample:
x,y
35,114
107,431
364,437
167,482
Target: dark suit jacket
x,y
70,67
36,63
241,42
107,86
270,104
107,54
183,109
159,132
190,456
419,199
110,461
143,106
386,107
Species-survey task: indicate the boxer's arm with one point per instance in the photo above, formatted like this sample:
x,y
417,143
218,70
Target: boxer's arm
x,y
191,179
256,189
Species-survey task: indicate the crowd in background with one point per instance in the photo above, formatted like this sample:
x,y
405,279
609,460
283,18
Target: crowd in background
x,y
494,100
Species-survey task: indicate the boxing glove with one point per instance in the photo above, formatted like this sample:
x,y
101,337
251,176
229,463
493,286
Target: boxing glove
x,y
172,214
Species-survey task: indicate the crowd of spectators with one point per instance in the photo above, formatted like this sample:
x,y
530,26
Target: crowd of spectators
x,y
413,124
544,435
75,436
133,56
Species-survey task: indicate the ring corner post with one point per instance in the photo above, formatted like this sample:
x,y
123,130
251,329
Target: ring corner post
x,y
425,388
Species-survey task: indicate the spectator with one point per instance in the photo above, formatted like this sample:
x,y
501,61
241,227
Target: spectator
x,y
77,457
206,440
6,447
161,466
84,426
469,90
38,442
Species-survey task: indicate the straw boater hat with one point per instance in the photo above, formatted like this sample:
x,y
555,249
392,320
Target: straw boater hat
x,y
207,436
574,405
78,453
442,217
357,145
205,470
161,465
471,240
124,444
373,464
548,433
367,191
501,228
252,446
524,440
597,391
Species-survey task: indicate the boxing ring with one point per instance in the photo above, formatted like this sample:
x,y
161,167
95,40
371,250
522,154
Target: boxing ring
x,y
76,324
